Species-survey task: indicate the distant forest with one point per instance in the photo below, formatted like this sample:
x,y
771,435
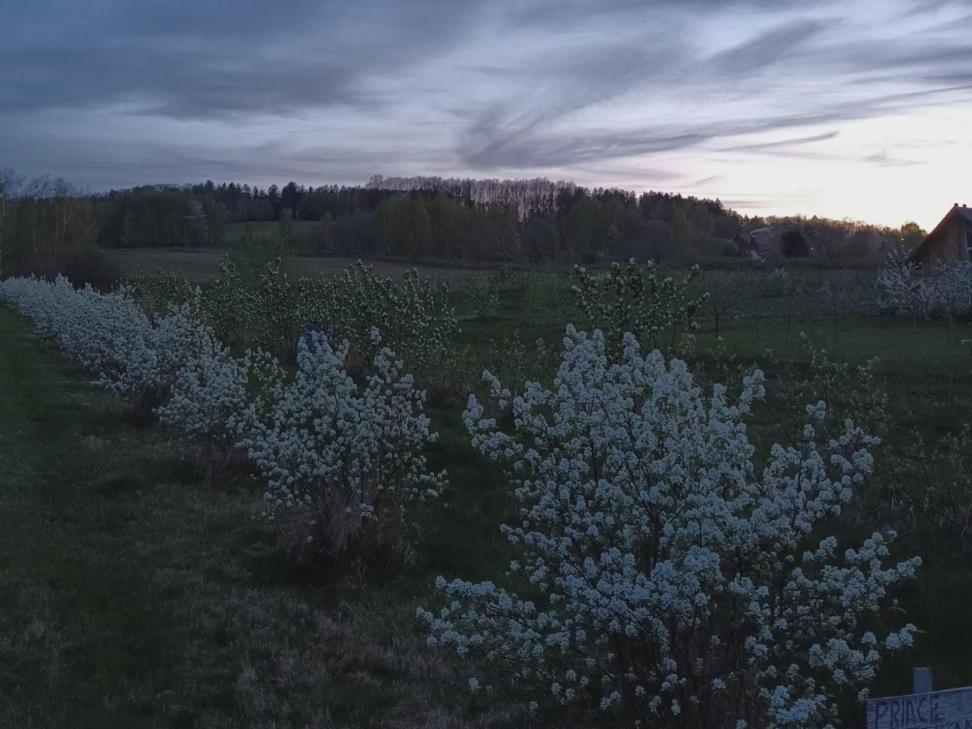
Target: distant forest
x,y
460,220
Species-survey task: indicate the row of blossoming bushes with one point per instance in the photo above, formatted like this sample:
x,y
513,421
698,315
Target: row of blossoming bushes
x,y
665,575
264,305
346,460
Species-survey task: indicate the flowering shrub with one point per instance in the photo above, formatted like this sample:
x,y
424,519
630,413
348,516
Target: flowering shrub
x,y
350,462
207,391
210,390
724,297
157,294
353,461
107,333
229,304
897,283
855,391
267,309
413,314
517,361
483,299
902,288
664,577
276,323
175,342
131,354
636,299
950,289
259,311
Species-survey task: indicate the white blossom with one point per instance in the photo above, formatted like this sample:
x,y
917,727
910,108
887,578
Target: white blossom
x,y
664,573
352,459
903,287
172,362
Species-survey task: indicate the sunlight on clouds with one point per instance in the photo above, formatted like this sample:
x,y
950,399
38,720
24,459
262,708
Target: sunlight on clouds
x,y
888,170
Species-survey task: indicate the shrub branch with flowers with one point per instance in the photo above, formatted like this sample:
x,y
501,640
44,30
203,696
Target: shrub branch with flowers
x,y
666,576
634,298
130,353
349,461
413,314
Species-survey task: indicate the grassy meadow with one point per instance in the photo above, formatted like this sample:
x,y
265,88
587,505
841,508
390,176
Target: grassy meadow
x,y
138,589
200,265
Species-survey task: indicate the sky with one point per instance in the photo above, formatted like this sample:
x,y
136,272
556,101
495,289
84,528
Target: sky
x,y
859,109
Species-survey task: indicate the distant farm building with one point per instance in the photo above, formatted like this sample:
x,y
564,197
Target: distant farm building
x,y
761,241
950,241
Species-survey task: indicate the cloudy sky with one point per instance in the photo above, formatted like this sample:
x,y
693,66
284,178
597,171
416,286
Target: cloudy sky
x,y
854,108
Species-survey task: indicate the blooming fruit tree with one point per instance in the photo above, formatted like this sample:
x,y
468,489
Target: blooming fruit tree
x,y
634,298
414,313
946,291
666,576
350,460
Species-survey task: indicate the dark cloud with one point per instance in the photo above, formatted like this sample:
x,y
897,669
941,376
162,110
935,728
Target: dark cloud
x,y
202,87
328,89
206,59
764,71
760,201
521,148
528,146
571,13
782,143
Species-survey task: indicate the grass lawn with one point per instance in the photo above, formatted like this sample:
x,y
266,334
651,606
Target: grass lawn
x,y
86,632
200,265
302,230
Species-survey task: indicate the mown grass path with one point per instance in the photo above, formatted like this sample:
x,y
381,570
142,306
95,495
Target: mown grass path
x,y
85,633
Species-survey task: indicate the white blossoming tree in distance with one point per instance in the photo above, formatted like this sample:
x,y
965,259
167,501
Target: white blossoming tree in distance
x,y
665,577
350,461
945,292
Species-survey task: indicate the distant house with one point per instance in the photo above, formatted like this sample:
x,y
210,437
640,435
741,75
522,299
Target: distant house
x,y
950,241
761,241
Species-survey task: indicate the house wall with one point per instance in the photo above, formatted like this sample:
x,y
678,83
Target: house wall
x,y
946,243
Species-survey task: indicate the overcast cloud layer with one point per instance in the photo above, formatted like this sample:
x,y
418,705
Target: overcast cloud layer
x,y
857,109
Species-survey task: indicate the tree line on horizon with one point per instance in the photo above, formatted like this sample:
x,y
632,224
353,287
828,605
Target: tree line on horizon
x,y
47,225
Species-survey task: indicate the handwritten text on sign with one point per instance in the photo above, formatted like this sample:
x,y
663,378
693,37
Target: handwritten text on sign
x,y
950,709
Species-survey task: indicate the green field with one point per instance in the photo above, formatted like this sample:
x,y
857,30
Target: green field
x,y
303,231
202,264
138,591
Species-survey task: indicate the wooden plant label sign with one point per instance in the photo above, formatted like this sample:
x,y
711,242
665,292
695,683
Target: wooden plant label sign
x,y
951,709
